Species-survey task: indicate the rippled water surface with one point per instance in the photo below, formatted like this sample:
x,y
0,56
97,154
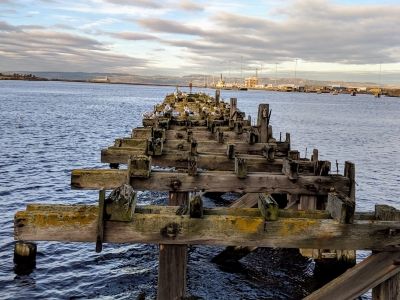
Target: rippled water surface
x,y
50,128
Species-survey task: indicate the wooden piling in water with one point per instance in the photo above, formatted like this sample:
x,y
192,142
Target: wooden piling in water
x,y
24,257
172,262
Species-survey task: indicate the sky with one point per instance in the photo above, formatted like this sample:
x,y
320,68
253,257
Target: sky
x,y
315,39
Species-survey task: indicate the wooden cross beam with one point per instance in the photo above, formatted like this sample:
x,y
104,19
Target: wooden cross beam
x,y
78,223
204,146
217,181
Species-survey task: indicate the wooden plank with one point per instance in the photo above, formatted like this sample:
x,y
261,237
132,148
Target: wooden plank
x,y
359,279
247,200
212,182
131,142
208,161
219,211
141,133
204,147
79,225
204,135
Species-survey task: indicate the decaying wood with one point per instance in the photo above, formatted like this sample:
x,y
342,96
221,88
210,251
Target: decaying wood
x,y
212,182
209,146
291,169
361,278
341,208
209,161
79,225
139,166
262,122
240,167
268,207
100,221
173,258
390,288
247,200
350,172
196,207
120,204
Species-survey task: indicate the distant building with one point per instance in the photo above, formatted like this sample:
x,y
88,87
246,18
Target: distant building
x,y
100,80
251,82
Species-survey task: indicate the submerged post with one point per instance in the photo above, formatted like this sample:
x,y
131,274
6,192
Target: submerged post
x,y
24,257
172,261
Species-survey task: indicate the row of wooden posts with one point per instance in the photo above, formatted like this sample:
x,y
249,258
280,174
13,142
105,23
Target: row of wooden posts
x,y
208,146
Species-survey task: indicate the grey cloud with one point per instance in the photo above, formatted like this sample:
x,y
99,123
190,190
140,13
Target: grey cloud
x,y
44,49
133,36
312,30
7,27
140,3
190,6
169,26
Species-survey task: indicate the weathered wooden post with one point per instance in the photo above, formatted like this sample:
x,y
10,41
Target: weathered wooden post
x,y
172,261
262,122
24,257
240,167
390,288
233,107
230,151
217,96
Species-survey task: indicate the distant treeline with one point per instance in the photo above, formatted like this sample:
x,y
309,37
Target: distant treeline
x,y
16,76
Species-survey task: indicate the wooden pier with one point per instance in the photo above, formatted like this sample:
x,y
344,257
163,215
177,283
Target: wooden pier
x,y
193,144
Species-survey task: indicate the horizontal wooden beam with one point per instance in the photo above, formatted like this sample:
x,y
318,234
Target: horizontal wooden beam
x,y
203,147
207,161
78,223
361,278
202,135
212,182
216,211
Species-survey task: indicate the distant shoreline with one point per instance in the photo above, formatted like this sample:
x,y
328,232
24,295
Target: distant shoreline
x,y
384,91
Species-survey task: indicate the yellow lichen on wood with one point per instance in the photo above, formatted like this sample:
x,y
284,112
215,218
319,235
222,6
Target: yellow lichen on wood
x,y
247,224
55,219
292,226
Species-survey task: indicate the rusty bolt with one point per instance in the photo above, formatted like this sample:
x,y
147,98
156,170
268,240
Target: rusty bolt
x,y
175,184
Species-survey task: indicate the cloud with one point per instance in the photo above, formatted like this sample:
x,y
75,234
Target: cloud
x,y
169,26
45,49
190,6
140,3
311,30
133,36
7,27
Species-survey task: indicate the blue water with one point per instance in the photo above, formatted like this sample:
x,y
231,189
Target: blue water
x,y
49,128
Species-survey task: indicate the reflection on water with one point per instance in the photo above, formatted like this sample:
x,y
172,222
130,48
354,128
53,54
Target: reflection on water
x,y
50,128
